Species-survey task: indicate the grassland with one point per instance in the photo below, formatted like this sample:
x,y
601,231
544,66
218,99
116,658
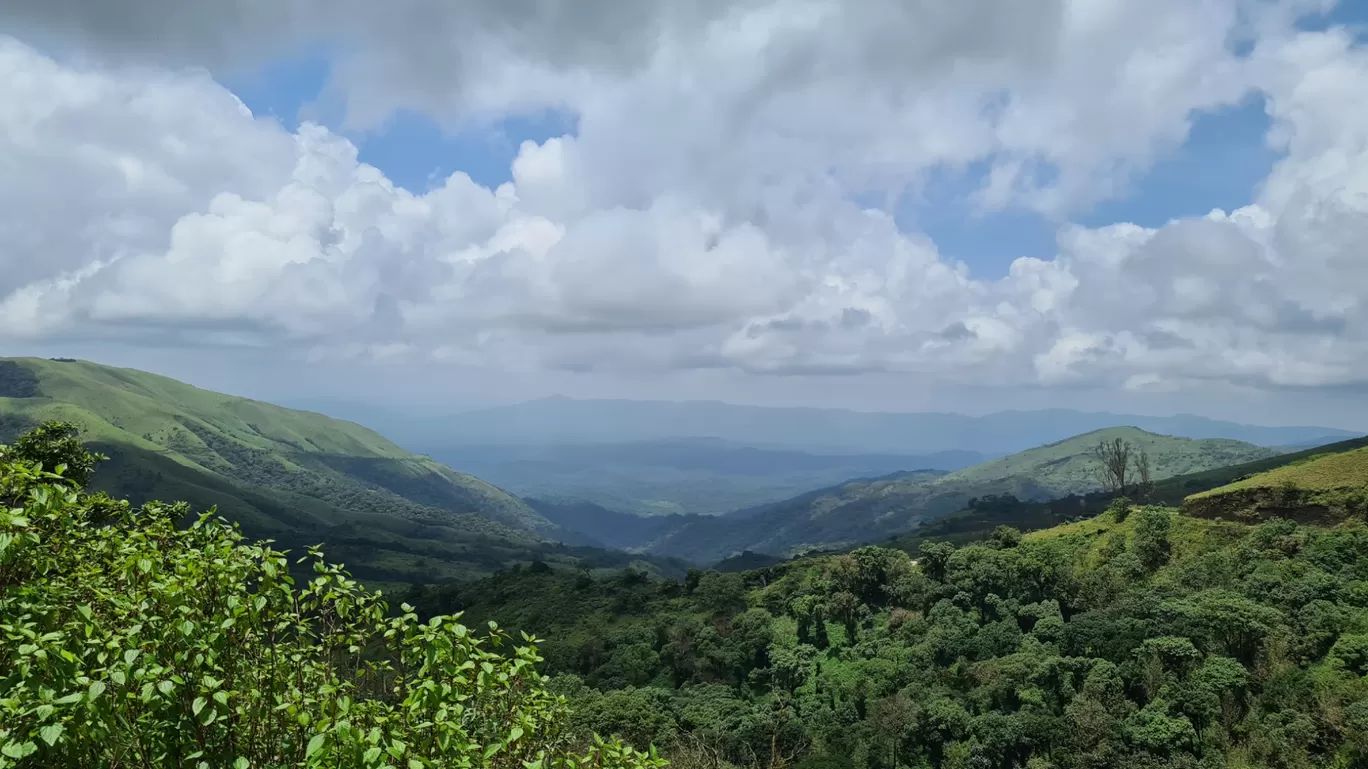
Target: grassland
x,y
1324,485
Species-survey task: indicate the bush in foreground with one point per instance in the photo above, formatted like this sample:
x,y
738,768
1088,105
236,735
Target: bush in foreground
x,y
126,641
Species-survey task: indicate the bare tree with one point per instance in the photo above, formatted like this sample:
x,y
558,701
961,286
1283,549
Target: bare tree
x,y
1144,478
1114,456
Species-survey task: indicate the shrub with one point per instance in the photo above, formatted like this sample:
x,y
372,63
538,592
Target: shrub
x,y
127,641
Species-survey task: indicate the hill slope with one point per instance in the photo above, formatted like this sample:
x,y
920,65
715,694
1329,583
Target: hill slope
x,y
869,510
1327,485
295,476
977,521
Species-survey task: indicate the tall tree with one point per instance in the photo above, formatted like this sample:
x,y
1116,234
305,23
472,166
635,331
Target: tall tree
x,y
1144,475
1114,458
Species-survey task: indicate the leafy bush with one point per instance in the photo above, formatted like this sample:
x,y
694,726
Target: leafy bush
x,y
127,641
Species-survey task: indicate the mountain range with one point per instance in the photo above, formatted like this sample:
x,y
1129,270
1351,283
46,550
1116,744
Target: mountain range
x,y
393,515
574,422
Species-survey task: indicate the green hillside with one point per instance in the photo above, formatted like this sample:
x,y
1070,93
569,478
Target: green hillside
x,y
872,510
977,521
1069,467
1327,485
295,476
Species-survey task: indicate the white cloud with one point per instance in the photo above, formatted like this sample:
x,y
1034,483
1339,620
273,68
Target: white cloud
x,y
702,215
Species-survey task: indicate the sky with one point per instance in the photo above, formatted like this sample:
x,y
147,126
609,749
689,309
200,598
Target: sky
x,y
1153,206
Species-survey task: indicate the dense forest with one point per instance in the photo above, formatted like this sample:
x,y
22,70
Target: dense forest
x,y
1138,638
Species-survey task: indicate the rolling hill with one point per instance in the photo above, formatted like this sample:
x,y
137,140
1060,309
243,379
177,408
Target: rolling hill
x,y
874,509
1326,486
977,521
294,476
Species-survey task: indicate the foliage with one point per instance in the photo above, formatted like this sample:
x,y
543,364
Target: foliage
x,y
1321,486
1157,640
126,641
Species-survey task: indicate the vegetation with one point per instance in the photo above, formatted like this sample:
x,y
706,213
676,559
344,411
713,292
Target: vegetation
x,y
294,476
1325,485
870,510
1156,640
126,641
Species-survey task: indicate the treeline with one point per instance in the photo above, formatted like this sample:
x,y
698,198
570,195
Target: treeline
x,y
1136,639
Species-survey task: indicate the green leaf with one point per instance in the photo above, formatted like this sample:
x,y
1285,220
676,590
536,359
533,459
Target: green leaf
x,y
241,763
96,689
315,745
51,733
370,755
165,686
198,705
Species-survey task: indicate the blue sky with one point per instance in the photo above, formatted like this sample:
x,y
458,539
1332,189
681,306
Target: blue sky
x,y
1223,160
1220,165
637,295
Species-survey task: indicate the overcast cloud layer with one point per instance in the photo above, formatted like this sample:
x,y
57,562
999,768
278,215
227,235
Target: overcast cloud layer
x,y
703,215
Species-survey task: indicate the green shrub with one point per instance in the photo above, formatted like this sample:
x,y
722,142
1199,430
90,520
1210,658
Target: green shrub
x,y
127,641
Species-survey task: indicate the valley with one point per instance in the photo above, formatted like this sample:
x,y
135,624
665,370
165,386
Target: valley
x,y
1025,610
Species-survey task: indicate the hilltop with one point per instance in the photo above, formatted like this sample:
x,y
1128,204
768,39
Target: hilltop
x,y
295,476
873,509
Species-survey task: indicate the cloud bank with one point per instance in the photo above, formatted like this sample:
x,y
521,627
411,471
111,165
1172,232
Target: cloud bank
x,y
711,210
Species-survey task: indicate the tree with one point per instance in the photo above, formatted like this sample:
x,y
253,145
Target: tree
x,y
137,643
1152,537
1143,475
1114,458
721,592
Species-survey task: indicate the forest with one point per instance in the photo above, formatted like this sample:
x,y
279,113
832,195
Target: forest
x,y
1137,638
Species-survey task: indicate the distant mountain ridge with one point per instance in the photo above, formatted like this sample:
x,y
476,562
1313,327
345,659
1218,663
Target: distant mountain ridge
x,y
870,510
675,476
569,421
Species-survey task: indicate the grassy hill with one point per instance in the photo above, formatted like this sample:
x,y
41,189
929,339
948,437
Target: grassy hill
x,y
977,521
1327,485
295,476
1068,467
874,509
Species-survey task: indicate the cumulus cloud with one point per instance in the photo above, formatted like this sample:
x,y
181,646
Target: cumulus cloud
x,y
703,214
